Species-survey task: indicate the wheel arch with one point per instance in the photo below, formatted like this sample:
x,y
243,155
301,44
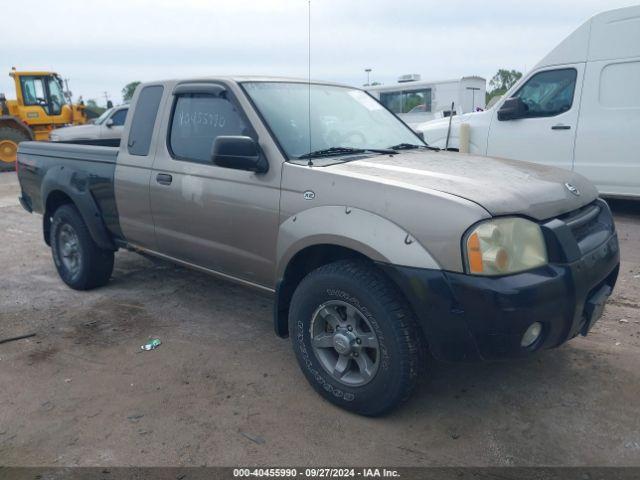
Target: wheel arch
x,y
13,122
324,235
63,186
300,265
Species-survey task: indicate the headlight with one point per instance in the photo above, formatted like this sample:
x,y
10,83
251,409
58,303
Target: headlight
x,y
54,138
504,245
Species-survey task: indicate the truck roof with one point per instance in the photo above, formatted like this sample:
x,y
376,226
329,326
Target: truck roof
x,y
248,78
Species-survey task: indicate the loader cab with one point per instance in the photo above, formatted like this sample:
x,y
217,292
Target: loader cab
x,y
44,90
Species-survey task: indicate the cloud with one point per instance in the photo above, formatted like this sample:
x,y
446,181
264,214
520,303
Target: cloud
x,y
101,46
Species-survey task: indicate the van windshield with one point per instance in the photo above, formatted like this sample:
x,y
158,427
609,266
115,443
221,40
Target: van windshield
x,y
340,118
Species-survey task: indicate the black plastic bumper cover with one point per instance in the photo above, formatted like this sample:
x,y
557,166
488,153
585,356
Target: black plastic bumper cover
x,y
466,317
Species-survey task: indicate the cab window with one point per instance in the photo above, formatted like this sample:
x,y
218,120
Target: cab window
x,y
56,93
144,119
119,117
33,92
197,120
548,93
407,101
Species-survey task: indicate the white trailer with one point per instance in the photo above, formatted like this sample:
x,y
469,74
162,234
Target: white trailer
x,y
417,101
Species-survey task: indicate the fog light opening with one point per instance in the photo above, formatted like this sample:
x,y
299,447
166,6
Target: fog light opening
x,y
532,335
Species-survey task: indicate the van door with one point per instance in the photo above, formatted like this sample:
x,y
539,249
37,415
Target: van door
x,y
608,141
547,133
222,219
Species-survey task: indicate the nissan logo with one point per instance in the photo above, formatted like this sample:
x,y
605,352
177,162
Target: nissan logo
x,y
573,189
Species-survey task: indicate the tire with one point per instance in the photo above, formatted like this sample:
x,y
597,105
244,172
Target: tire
x,y
353,289
81,264
9,140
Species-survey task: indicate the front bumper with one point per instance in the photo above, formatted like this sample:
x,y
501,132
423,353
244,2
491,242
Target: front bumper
x,y
466,317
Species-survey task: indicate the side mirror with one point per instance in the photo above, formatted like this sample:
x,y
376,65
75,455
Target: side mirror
x,y
109,123
512,109
238,152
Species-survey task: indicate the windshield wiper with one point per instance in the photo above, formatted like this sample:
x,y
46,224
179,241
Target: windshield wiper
x,y
333,151
411,146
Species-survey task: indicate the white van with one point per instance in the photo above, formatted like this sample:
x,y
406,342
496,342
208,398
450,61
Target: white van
x,y
578,109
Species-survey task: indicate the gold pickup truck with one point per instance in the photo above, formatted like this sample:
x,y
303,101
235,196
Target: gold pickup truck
x,y
375,246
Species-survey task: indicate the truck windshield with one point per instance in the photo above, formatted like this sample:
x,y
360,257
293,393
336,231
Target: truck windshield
x,y
341,118
102,118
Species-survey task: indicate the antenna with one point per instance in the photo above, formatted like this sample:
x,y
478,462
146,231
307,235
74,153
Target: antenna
x,y
310,162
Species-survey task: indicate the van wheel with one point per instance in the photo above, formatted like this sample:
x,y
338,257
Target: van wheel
x,y
355,338
80,262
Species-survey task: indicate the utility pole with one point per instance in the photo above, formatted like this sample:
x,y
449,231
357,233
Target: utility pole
x,y
368,70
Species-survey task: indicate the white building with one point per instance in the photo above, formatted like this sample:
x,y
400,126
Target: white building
x,y
417,101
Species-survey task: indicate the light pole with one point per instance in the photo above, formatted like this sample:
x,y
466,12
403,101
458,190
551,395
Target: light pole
x,y
473,96
368,70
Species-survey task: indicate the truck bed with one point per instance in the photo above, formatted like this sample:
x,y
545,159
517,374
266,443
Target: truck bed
x,y
71,170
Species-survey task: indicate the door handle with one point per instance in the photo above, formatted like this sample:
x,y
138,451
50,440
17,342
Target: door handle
x,y
164,179
561,127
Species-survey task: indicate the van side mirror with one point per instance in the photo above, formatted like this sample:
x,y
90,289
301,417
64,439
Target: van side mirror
x,y
238,152
109,123
512,109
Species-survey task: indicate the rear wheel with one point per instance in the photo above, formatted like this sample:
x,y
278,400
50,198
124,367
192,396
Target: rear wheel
x,y
9,140
355,338
80,262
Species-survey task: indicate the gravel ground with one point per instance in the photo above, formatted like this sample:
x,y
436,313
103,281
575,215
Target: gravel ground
x,y
223,390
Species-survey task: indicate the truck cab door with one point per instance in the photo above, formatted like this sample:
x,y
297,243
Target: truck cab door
x,y
133,168
114,125
224,220
545,131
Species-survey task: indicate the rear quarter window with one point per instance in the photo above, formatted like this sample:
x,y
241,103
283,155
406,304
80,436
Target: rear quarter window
x,y
144,119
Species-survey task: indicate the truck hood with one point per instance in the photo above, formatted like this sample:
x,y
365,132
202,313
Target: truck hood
x,y
500,186
438,123
77,131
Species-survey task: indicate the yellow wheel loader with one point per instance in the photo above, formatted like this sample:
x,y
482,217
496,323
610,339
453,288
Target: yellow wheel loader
x,y
41,105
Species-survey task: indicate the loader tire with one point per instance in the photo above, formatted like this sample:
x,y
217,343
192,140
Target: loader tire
x,y
9,140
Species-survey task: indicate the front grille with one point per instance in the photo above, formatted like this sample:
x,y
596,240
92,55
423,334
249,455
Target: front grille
x,y
590,225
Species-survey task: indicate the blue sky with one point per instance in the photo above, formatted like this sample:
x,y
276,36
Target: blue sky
x,y
100,46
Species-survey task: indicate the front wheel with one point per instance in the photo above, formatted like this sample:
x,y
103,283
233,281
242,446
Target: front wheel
x,y
355,338
80,262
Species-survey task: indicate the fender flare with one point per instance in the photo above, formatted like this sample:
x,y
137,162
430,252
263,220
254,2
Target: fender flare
x,y
354,229
75,184
368,233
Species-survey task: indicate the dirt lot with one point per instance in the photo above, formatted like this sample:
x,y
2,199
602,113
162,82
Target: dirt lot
x,y
223,390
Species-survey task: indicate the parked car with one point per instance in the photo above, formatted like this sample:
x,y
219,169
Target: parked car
x,y
107,128
578,109
374,245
